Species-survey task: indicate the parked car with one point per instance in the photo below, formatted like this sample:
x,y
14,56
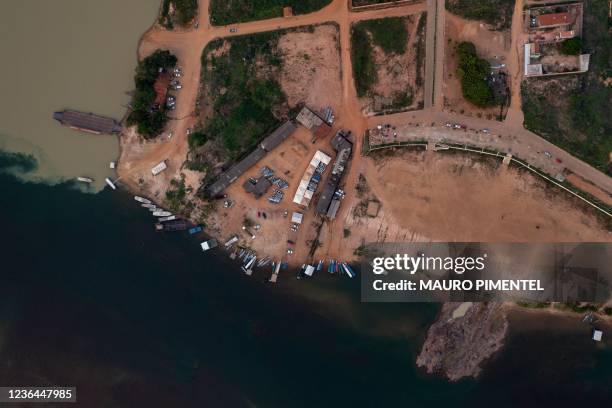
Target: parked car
x,y
233,30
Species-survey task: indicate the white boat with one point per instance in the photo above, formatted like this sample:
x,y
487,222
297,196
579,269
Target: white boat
x,y
250,263
162,213
170,218
85,179
110,183
149,206
142,200
248,268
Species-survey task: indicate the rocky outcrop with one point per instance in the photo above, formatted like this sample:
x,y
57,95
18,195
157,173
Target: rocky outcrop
x,y
462,338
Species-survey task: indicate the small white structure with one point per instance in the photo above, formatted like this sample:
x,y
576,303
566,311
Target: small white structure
x,y
297,217
309,270
597,335
112,165
159,168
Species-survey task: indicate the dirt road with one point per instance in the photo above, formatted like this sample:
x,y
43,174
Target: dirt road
x,y
188,46
514,117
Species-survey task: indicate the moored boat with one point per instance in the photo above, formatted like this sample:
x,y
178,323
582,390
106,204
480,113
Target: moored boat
x,y
85,180
169,218
196,229
206,245
110,183
176,225
159,213
142,200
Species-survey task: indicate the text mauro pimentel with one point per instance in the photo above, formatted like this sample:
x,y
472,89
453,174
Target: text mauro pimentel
x,y
458,265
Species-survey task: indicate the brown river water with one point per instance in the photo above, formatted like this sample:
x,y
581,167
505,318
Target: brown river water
x,y
77,54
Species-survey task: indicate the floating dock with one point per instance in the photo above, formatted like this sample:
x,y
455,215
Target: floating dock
x,y
87,122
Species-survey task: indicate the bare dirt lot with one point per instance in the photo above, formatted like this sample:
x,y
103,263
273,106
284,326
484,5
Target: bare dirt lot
x,y
442,197
311,67
289,161
489,45
399,74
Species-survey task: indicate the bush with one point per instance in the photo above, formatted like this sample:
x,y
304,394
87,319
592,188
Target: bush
x,y
472,72
185,12
197,139
573,46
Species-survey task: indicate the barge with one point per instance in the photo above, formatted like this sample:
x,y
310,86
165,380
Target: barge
x,y
87,122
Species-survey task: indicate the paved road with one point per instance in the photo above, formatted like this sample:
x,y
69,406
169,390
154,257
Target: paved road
x,y
502,137
188,46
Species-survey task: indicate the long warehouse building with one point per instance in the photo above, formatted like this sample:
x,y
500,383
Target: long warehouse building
x,y
267,145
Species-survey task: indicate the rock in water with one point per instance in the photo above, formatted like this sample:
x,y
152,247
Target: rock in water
x,y
456,347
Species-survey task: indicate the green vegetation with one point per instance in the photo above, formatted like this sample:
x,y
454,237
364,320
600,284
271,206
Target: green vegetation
x,y
573,46
197,139
608,311
497,13
390,34
223,12
420,50
573,112
184,12
176,194
149,120
346,232
248,101
363,61
472,71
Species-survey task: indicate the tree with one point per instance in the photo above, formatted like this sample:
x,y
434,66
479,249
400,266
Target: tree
x,y
473,71
573,46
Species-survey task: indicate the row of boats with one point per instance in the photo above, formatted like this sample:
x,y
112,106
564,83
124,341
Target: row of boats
x,y
169,222
156,211
250,261
333,267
